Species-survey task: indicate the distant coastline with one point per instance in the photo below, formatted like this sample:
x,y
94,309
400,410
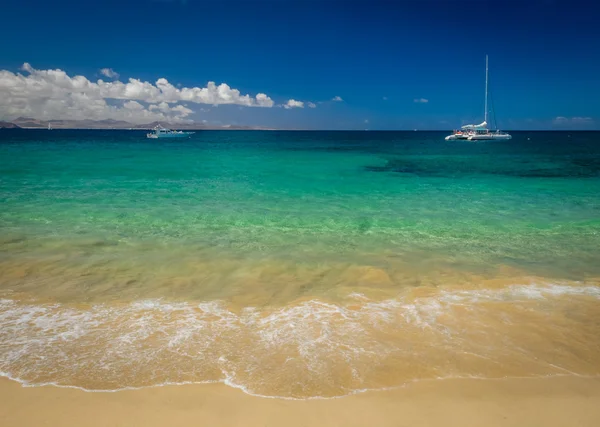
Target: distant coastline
x,y
30,123
109,124
9,125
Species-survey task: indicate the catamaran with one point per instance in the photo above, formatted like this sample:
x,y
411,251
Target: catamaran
x,y
479,132
161,132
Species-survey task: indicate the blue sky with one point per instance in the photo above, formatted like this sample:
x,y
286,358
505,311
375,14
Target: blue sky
x,y
379,57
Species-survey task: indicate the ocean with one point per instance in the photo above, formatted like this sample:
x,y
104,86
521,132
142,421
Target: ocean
x,y
297,264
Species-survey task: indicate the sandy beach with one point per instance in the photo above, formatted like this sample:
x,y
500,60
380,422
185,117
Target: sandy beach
x,y
548,402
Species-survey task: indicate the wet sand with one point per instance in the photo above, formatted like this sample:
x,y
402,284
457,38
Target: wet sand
x,y
547,402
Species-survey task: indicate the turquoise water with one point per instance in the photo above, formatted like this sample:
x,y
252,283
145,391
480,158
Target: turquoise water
x,y
270,220
532,202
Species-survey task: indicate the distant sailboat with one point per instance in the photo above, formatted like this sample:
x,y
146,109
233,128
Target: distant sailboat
x,y
49,126
479,132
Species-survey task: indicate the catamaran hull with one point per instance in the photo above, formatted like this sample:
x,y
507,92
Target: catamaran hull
x,y
172,135
492,137
455,137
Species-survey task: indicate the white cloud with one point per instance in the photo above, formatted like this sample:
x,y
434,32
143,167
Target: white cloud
x,y
27,67
421,100
583,120
110,73
263,100
53,94
337,99
133,105
292,103
560,120
311,105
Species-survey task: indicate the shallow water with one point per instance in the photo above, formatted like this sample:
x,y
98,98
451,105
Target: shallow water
x,y
297,264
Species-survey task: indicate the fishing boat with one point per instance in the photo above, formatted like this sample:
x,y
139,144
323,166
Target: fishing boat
x,y
161,132
480,132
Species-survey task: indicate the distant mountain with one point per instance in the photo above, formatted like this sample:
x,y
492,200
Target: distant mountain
x,y
178,126
8,125
27,122
151,125
30,123
111,122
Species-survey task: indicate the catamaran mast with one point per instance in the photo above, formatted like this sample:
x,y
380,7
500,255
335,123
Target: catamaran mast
x,y
486,89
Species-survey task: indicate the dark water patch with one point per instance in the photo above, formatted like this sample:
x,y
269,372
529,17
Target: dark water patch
x,y
378,169
364,225
12,239
457,166
97,243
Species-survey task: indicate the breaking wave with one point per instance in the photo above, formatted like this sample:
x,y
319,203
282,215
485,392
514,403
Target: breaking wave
x,y
308,349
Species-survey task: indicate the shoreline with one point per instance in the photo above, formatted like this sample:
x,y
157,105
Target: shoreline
x,y
556,401
140,345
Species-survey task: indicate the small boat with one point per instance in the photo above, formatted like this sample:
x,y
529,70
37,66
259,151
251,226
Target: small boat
x,y
49,126
161,132
479,132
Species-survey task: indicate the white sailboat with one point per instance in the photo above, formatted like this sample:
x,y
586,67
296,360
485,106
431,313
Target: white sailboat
x,y
479,132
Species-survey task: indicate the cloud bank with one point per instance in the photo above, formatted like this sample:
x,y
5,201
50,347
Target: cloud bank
x,y
53,94
421,100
